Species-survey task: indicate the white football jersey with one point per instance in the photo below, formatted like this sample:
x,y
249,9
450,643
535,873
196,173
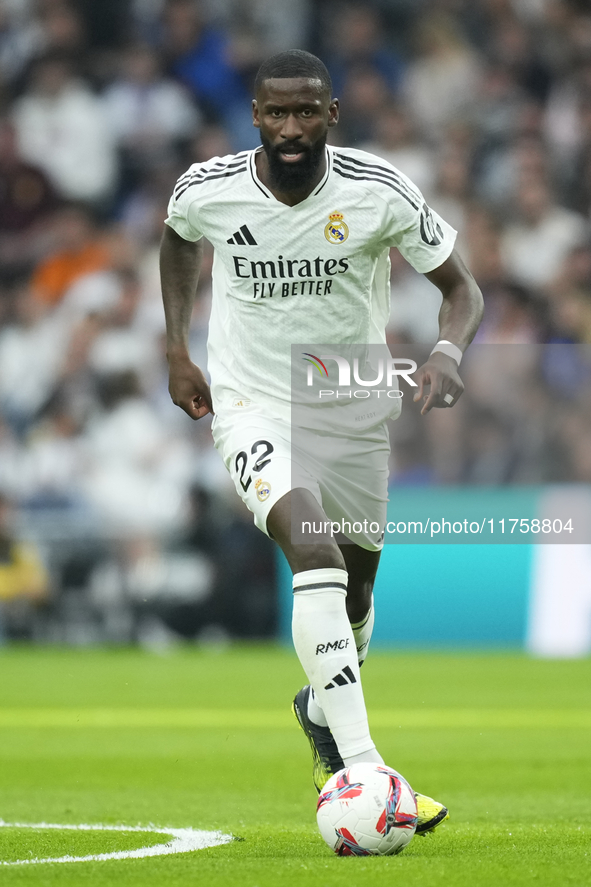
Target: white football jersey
x,y
314,273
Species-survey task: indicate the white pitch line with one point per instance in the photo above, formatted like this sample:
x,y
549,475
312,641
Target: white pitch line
x,y
185,840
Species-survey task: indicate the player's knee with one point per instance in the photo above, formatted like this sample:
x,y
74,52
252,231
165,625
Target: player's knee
x,y
316,557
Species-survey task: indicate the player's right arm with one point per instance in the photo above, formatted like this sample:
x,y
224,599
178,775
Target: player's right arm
x,y
180,264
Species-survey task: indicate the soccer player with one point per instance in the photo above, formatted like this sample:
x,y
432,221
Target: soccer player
x,y
301,234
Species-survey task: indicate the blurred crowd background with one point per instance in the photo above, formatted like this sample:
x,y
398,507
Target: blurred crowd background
x,y
117,519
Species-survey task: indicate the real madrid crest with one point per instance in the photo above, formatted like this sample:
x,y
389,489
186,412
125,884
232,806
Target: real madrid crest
x,y
336,231
263,490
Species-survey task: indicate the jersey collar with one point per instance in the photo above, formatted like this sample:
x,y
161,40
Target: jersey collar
x,y
270,196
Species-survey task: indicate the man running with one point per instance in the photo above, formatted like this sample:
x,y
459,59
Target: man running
x,y
301,235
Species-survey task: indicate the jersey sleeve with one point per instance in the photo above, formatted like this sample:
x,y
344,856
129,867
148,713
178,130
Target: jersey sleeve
x,y
183,208
428,241
422,236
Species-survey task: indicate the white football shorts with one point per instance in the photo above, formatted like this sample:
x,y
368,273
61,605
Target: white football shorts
x,y
347,475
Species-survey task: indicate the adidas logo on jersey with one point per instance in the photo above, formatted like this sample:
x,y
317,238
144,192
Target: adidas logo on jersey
x,y
242,237
344,677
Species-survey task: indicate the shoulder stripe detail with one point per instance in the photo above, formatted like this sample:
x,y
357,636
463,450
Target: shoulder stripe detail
x,y
381,173
357,177
202,171
235,158
388,170
205,171
208,178
375,169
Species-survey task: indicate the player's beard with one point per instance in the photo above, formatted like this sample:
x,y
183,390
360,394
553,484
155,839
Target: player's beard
x,y
293,176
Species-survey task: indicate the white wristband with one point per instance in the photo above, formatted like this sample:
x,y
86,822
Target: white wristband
x,y
450,349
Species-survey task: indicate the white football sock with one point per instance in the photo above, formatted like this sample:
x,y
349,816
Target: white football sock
x,y
362,632
324,641
315,713
367,757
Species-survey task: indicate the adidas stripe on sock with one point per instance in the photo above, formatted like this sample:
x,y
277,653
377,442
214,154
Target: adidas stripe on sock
x,y
324,641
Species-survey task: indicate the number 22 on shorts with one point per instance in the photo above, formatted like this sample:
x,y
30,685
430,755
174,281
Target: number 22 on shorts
x,y
262,459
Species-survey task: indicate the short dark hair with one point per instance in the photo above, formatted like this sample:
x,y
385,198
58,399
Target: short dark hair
x,y
293,63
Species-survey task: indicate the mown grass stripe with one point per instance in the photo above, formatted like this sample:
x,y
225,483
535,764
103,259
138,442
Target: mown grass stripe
x,y
279,719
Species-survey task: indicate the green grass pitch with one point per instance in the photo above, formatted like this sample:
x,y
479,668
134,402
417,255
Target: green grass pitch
x,y
205,739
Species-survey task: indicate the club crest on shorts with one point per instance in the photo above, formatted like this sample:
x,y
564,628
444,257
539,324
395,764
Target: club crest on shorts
x,y
263,489
337,230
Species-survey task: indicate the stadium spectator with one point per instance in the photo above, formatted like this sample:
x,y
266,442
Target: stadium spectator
x,y
355,41
211,141
11,456
514,316
145,20
21,39
251,570
502,169
569,298
123,342
136,471
26,200
201,57
149,115
63,28
441,82
149,594
575,437
61,127
24,581
365,93
31,353
497,118
53,466
566,123
107,25
496,113
483,242
575,170
141,211
536,244
79,250
514,46
395,139
271,25
452,192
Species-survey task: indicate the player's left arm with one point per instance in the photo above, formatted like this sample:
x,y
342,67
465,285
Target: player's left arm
x,y
459,318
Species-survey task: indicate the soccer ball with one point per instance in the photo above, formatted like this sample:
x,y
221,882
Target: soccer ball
x,y
367,810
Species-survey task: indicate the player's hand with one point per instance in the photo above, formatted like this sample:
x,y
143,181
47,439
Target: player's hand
x,y
440,373
189,388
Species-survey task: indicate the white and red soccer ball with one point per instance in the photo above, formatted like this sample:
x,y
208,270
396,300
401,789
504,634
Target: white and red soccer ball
x,y
367,810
